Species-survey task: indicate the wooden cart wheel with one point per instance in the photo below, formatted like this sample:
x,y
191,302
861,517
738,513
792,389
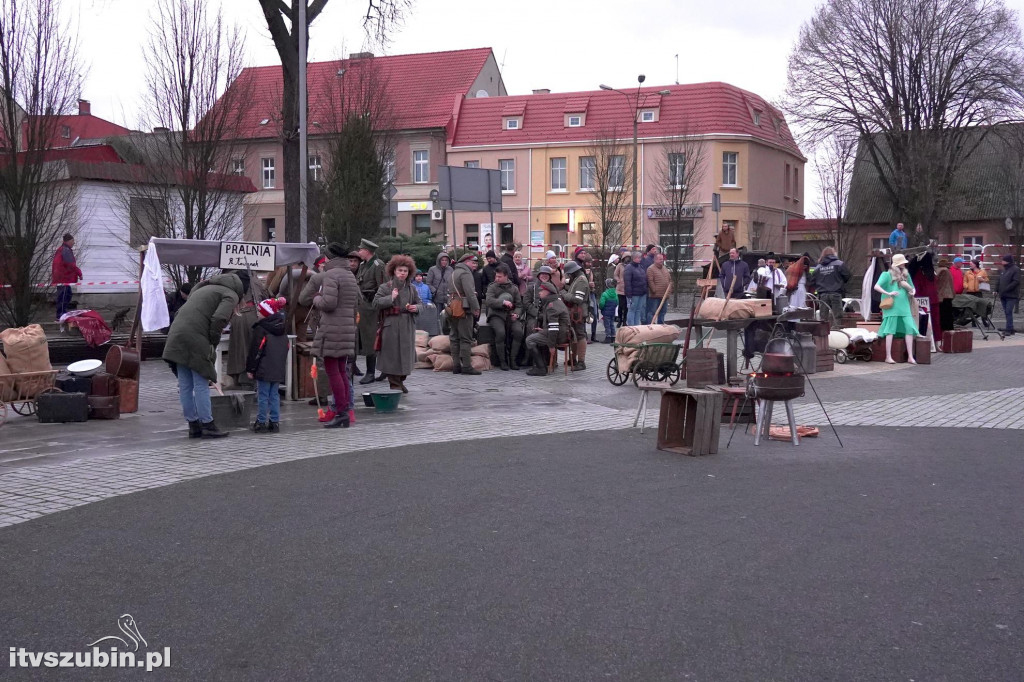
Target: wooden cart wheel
x,y
616,377
673,375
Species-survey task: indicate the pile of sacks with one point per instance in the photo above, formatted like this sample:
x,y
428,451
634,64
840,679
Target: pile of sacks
x,y
644,333
434,352
25,350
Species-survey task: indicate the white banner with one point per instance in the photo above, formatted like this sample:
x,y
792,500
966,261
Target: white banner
x,y
242,255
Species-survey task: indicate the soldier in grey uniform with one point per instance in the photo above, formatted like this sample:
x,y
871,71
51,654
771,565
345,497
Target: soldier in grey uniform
x,y
369,276
463,286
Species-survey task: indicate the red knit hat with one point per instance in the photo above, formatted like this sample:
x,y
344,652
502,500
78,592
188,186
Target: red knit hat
x,y
270,306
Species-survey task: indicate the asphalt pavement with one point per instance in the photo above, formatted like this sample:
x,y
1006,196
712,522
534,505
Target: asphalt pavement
x,y
568,557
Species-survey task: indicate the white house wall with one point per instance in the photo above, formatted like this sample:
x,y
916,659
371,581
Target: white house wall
x,y
102,235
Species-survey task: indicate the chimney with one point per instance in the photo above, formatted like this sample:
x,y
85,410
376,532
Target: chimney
x,y
360,55
542,91
84,108
161,129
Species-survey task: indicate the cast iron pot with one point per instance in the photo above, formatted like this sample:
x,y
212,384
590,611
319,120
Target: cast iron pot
x,y
778,363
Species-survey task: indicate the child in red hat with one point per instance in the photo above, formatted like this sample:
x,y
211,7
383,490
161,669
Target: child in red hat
x,y
267,363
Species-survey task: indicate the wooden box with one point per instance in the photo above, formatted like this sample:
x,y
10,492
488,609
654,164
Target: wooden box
x,y
690,421
957,341
704,366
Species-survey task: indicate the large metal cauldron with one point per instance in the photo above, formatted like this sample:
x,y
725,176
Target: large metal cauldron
x,y
771,387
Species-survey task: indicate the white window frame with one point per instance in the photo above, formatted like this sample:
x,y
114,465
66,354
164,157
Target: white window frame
x,y
730,169
269,172
878,243
238,166
507,168
647,116
421,166
588,173
676,176
316,167
471,164
575,121
563,173
613,161
974,250
390,171
512,124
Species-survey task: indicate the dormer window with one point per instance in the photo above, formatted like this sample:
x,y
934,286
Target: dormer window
x,y
513,123
757,118
65,132
575,121
648,116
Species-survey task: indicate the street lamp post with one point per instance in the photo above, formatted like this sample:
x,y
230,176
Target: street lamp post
x,y
636,104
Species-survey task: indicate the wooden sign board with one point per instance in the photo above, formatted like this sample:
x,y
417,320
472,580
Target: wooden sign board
x,y
246,255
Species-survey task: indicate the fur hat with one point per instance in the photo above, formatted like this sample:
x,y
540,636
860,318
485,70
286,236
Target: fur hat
x,y
268,307
399,261
336,250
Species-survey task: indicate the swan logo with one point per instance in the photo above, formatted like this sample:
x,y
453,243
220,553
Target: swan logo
x,y
126,624
117,652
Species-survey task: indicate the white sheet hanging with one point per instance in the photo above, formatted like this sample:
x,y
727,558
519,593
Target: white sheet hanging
x,y
865,290
155,315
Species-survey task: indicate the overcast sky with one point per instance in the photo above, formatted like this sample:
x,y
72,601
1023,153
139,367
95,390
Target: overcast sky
x,y
563,45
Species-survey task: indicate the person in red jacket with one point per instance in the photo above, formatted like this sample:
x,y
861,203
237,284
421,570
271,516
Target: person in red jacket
x,y
65,272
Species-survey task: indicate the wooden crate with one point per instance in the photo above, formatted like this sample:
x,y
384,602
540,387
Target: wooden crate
x,y
690,421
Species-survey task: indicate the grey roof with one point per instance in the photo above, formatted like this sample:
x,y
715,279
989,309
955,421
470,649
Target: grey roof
x,y
979,190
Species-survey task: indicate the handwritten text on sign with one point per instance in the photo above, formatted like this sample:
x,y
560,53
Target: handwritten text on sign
x,y
242,255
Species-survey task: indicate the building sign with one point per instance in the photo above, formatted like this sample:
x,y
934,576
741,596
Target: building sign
x,y
537,238
406,206
242,255
670,212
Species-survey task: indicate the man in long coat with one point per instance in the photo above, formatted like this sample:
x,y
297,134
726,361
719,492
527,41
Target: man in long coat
x,y
369,276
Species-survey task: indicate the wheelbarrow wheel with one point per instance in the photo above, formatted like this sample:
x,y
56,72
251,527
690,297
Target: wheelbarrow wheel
x,y
616,377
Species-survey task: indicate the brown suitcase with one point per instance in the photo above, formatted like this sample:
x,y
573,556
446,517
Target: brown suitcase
x,y
104,407
957,341
103,384
128,392
923,350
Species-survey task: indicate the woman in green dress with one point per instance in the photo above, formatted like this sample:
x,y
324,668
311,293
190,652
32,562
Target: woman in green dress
x,y
897,320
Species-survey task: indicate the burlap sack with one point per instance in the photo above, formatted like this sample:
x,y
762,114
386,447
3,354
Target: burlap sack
x,y
483,350
440,343
480,363
26,349
442,362
422,338
6,389
424,355
423,365
646,333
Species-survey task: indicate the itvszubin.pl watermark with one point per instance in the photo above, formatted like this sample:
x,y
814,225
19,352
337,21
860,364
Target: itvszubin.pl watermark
x,y
123,653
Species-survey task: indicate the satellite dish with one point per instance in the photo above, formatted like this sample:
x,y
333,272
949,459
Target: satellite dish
x,y
1008,223
482,93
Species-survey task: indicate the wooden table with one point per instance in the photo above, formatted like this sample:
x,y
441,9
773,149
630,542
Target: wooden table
x,y
732,329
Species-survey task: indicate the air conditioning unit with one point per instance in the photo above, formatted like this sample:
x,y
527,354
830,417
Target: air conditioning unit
x,y
437,214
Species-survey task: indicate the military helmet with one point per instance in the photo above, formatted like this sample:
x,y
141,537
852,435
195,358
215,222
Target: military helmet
x,y
571,267
545,270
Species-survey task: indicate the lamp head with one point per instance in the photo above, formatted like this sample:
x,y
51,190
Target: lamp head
x,y
604,87
641,78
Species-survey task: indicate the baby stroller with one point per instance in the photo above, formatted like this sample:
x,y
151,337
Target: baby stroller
x,y
970,310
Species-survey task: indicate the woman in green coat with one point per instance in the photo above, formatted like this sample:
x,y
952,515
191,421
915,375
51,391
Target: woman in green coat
x,y
398,303
897,320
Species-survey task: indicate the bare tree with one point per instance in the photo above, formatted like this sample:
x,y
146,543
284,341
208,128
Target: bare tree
x,y
188,187
909,78
39,81
604,171
834,162
282,21
681,173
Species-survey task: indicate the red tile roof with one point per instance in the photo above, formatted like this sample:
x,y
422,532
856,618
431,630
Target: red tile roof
x,y
692,109
424,88
811,224
86,127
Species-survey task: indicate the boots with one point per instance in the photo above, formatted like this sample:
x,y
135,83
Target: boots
x,y
512,364
393,382
210,430
340,421
540,367
195,429
499,349
371,369
259,427
401,384
581,356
